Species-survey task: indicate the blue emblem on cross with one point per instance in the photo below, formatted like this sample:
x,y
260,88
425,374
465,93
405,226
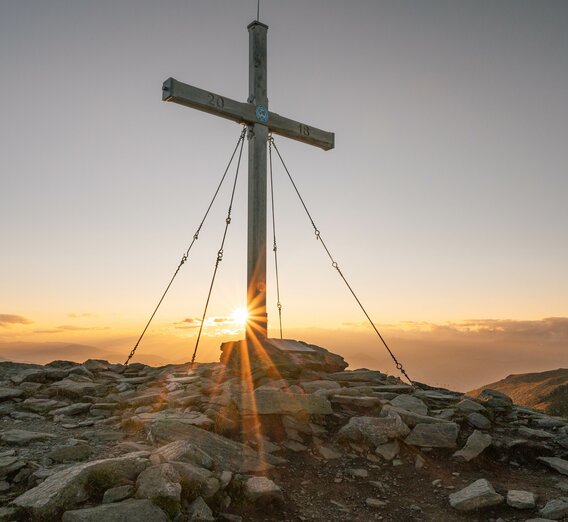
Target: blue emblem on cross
x,y
261,114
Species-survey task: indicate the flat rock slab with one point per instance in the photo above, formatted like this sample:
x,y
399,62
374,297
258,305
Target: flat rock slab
x,y
479,494
434,435
374,431
556,463
226,454
10,393
521,499
359,376
476,443
410,403
74,389
23,437
277,402
411,418
127,511
555,509
67,488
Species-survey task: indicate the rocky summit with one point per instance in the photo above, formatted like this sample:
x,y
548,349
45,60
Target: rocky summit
x,y
285,434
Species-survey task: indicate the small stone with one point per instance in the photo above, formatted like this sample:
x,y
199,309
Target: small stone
x,y
263,491
419,462
521,499
327,453
479,494
117,494
358,472
388,451
199,510
375,502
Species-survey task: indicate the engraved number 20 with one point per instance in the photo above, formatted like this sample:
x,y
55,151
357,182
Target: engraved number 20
x,y
215,101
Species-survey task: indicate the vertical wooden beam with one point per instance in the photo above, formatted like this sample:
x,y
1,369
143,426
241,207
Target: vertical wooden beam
x,y
258,134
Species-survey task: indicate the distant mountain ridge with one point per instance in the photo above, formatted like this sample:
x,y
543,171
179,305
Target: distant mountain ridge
x,y
545,391
46,352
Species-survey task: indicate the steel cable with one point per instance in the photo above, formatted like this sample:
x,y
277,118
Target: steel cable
x,y
219,253
186,254
335,265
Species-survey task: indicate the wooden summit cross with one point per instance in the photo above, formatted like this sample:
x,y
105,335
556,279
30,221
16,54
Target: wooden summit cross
x,y
260,122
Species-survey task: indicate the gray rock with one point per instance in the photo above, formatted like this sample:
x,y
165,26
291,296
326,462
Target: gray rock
x,y
199,510
555,509
388,451
11,393
479,494
476,443
161,485
479,421
117,494
184,451
127,511
26,416
74,389
8,514
10,464
327,453
70,453
68,487
226,454
262,491
410,403
356,402
434,435
196,481
373,430
359,376
23,437
521,499
276,402
534,434
469,406
410,418
556,463
495,400
314,386
166,426
72,409
41,405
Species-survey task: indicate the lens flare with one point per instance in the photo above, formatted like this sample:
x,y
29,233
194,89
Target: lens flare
x,y
240,316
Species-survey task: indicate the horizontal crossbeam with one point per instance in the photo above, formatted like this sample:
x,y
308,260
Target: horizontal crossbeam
x,y
245,113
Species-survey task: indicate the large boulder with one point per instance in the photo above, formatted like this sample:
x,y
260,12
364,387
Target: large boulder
x,y
67,488
434,435
373,431
479,494
130,510
226,454
161,485
279,358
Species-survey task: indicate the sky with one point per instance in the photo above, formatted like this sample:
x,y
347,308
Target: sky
x,y
444,201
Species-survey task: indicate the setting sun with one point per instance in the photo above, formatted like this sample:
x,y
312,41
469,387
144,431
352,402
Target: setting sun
x,y
240,315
